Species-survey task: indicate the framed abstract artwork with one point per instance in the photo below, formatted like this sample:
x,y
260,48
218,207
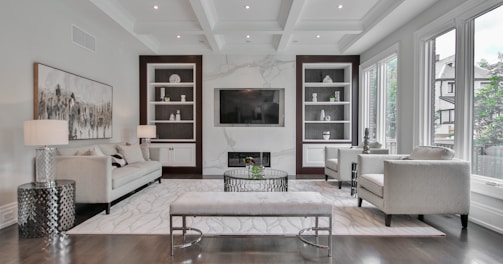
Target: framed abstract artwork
x,y
86,104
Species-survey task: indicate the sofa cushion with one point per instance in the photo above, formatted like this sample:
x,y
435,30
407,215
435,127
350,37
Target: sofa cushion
x,y
431,153
374,183
133,172
108,149
96,151
132,153
332,164
72,151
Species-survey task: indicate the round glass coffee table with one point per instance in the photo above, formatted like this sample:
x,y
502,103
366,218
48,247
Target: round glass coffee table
x,y
244,180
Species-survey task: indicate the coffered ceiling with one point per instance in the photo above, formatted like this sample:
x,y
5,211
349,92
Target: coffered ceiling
x,y
261,26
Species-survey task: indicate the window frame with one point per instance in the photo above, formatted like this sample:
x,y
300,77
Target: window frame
x,y
461,19
378,62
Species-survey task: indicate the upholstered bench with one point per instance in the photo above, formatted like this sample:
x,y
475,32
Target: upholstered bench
x,y
250,204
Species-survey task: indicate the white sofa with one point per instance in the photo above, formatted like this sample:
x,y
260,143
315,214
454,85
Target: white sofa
x,y
428,181
97,180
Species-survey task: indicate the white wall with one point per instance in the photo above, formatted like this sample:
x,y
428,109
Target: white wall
x,y
221,71
39,31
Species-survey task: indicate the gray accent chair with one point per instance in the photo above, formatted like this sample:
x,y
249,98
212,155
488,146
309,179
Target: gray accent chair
x,y
338,161
428,181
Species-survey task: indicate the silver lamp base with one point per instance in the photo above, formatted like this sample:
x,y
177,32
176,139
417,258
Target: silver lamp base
x,y
45,167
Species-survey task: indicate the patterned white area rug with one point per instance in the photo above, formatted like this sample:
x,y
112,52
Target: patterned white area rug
x,y
147,212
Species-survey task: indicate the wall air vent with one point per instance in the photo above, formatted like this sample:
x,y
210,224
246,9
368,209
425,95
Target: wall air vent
x,y
83,39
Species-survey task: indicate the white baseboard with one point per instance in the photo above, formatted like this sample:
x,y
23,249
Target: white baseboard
x,y
487,216
8,215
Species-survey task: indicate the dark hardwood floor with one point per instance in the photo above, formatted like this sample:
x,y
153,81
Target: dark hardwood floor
x,y
472,245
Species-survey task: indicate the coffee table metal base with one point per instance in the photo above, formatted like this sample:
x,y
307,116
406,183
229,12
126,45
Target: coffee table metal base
x,y
240,181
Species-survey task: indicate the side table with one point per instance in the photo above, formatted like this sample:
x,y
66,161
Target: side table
x,y
354,178
44,211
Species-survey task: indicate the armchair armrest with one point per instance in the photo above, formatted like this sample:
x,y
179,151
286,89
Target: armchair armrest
x,y
426,186
374,163
92,176
331,153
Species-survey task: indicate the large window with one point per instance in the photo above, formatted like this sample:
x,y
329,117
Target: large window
x,y
442,52
487,115
463,90
380,97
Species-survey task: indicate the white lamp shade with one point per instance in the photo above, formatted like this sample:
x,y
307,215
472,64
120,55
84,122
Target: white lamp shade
x,y
45,132
146,131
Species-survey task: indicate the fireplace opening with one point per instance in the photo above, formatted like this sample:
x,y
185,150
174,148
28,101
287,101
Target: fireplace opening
x,y
236,159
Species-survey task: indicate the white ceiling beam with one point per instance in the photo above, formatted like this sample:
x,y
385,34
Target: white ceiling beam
x,y
289,23
348,27
120,15
206,13
176,27
243,26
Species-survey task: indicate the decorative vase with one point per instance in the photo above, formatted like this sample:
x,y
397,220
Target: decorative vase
x,y
177,117
322,115
315,97
326,135
182,98
327,79
337,95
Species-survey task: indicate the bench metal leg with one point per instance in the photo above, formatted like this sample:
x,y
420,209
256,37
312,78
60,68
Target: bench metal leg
x,y
316,229
184,230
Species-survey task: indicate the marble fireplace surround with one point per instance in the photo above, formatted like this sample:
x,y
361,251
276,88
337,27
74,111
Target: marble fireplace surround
x,y
259,71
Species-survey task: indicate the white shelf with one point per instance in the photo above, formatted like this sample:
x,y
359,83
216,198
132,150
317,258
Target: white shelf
x,y
322,84
328,122
327,103
168,84
170,121
171,103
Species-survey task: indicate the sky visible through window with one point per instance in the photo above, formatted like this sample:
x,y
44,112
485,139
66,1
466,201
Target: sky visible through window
x,y
487,28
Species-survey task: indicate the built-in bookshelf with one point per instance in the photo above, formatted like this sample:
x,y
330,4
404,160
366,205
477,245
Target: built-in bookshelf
x,y
170,99
327,92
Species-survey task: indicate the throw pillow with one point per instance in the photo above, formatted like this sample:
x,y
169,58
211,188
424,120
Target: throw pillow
x,y
96,151
131,153
432,153
83,152
118,161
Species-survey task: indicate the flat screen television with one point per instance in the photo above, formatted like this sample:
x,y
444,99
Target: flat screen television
x,y
249,107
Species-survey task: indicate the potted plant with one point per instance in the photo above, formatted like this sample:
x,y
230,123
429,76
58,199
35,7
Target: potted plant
x,y
332,98
166,98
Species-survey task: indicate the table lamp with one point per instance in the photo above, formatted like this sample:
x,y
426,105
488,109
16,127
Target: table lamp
x,y
146,132
45,133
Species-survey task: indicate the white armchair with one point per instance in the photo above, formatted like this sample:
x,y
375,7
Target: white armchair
x,y
338,161
428,181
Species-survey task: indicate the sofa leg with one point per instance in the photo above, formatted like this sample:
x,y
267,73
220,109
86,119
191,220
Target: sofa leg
x,y
387,220
464,220
107,210
326,177
420,217
340,184
360,200
159,180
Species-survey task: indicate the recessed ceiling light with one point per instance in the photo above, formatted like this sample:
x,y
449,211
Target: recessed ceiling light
x,y
340,6
178,36
247,7
156,7
248,36
318,36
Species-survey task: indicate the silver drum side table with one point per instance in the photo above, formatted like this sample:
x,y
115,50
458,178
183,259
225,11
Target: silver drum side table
x,y
44,211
